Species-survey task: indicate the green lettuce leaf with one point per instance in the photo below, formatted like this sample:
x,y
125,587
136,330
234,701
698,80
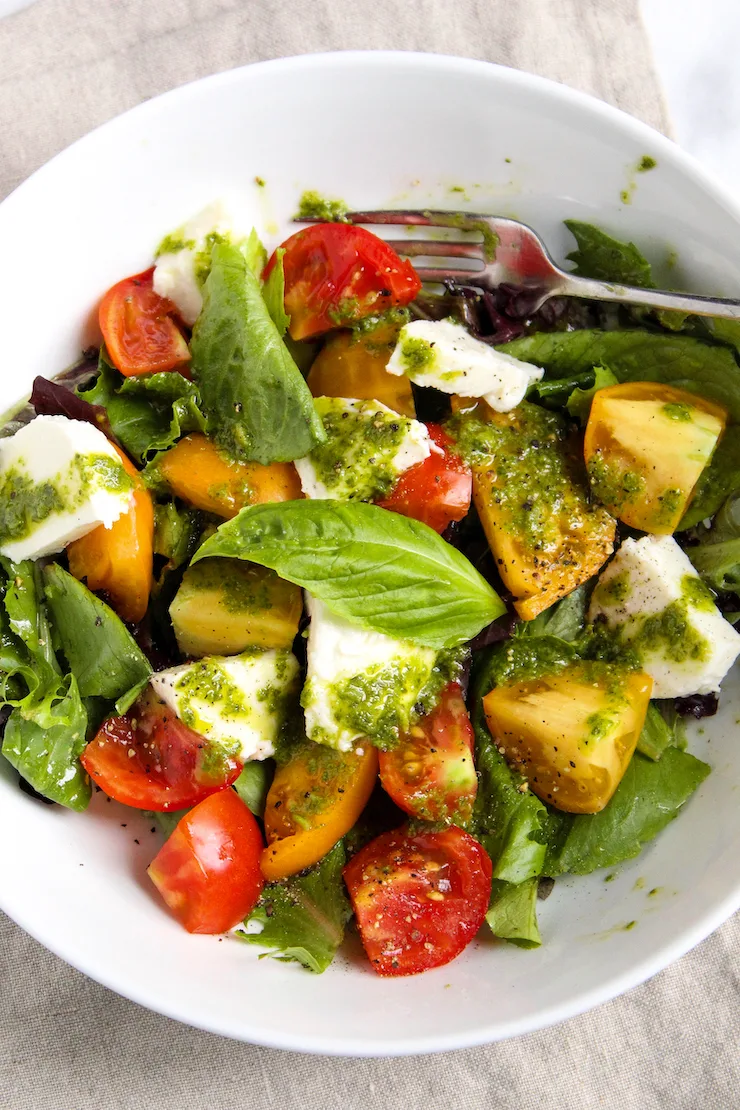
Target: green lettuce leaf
x,y
370,566
28,652
102,654
44,741
648,798
718,481
606,259
663,729
177,530
257,403
565,620
579,401
635,355
512,914
717,556
147,413
304,917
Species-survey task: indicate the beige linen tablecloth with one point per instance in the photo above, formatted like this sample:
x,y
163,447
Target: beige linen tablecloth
x,y
67,1043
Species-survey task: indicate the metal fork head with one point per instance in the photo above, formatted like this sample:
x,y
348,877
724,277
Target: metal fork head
x,y
508,251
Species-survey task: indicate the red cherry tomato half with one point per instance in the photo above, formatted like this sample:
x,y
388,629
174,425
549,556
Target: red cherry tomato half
x,y
208,872
436,491
149,759
336,273
140,334
419,898
431,773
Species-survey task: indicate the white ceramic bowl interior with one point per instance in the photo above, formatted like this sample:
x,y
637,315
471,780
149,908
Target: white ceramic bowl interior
x,y
377,130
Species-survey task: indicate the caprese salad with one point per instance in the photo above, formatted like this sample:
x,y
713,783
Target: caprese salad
x,y
390,604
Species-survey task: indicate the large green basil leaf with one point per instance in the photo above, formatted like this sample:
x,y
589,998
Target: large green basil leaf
x,y
634,355
101,652
256,401
601,257
373,567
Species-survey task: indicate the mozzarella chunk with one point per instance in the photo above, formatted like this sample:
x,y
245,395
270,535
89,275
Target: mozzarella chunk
x,y
359,682
59,479
368,446
652,596
444,355
182,258
240,701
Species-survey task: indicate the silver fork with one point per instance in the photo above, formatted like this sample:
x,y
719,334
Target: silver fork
x,y
512,252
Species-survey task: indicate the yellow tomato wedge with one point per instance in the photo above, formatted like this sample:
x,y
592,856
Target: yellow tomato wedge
x,y
118,560
198,472
646,445
572,733
354,365
530,490
315,798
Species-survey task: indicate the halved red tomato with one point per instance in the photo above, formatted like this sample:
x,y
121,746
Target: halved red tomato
x,y
419,898
208,872
336,273
149,759
431,774
140,334
436,491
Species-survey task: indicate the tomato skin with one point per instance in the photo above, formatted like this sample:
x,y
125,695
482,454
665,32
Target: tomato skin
x,y
335,274
431,773
315,798
436,491
140,334
208,870
419,898
172,767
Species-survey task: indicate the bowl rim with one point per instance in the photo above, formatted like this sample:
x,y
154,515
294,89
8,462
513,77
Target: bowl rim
x,y
671,950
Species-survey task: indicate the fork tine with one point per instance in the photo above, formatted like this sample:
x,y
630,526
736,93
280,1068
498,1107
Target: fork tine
x,y
412,248
393,216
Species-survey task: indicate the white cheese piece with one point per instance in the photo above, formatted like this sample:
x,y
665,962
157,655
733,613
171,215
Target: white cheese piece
x,y
368,447
444,355
177,272
63,478
651,594
238,701
357,675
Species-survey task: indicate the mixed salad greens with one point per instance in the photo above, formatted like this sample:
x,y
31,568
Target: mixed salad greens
x,y
389,604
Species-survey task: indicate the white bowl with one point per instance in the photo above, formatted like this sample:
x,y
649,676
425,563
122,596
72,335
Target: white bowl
x,y
376,129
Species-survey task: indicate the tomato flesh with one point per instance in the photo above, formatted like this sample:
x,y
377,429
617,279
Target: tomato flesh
x,y
436,491
149,759
140,334
419,898
431,773
335,274
208,871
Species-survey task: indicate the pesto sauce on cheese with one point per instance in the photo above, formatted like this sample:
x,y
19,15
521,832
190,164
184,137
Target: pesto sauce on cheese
x,y
356,462
25,503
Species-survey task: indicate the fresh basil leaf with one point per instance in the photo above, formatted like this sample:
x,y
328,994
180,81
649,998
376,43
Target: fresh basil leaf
x,y
553,393
128,697
304,917
257,403
718,481
634,355
147,413
370,566
658,733
648,798
102,654
273,293
176,533
579,401
253,784
565,620
512,914
44,741
606,259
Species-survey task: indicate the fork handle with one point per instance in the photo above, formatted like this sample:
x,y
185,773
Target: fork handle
x,y
653,298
